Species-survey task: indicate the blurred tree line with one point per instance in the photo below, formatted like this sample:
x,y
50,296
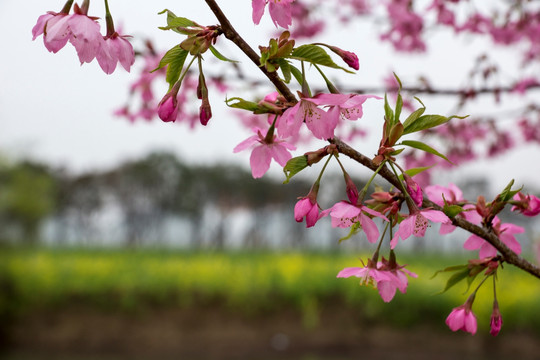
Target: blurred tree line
x,y
138,201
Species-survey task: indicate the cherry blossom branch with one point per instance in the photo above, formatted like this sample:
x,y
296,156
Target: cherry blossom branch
x,y
508,255
231,34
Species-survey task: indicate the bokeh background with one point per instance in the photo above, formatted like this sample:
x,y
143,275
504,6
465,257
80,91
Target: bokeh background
x,y
151,240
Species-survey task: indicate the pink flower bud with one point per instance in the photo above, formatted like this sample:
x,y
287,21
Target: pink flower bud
x,y
414,190
496,320
168,108
205,112
462,318
529,205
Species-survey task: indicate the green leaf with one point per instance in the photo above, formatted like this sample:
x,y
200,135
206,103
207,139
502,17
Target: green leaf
x,y
220,56
174,22
507,194
450,268
399,106
456,278
414,115
414,171
294,166
388,112
174,59
315,55
424,147
242,104
452,210
285,69
355,229
428,121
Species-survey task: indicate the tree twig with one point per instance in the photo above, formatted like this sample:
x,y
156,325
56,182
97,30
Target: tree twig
x,y
231,34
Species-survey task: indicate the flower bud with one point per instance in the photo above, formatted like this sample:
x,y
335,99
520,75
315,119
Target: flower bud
x,y
168,108
496,320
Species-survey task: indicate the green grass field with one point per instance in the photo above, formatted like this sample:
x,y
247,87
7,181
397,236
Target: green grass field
x,y
250,283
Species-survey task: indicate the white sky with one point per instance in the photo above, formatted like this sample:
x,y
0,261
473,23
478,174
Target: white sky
x,y
53,109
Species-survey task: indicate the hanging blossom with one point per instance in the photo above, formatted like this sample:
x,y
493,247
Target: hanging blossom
x,y
344,215
462,318
385,277
280,11
83,32
505,232
416,224
270,147
308,208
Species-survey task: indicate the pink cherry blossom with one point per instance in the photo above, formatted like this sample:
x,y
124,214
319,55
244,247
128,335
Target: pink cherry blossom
x,y
308,208
398,279
344,214
317,120
453,196
529,205
506,234
262,155
55,30
462,318
387,280
369,275
85,36
115,49
417,223
280,11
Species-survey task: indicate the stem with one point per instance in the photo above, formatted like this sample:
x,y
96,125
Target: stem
x,y
109,20
231,34
324,168
67,7
508,255
329,84
365,188
410,202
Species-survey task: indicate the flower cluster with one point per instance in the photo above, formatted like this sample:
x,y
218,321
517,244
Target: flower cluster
x,y
83,32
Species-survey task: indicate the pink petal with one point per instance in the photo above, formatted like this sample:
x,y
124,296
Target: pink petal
x,y
258,10
369,227
260,161
280,154
246,143
487,250
446,229
435,216
473,242
511,242
280,12
40,25
387,290
352,271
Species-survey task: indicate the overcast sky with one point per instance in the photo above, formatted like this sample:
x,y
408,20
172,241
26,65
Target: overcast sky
x,y
55,110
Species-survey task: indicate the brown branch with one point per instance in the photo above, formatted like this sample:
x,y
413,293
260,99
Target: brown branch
x,y
231,34
508,255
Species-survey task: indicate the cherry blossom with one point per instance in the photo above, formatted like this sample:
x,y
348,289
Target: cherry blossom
x,y
462,318
416,224
344,214
261,155
369,275
505,232
307,207
115,49
528,205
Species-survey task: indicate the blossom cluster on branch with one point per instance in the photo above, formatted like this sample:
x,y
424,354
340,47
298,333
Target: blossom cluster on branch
x,y
281,121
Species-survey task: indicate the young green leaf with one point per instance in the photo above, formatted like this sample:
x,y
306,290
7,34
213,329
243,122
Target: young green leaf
x,y
414,115
294,166
315,55
242,104
174,22
424,147
414,171
388,112
285,67
219,55
428,121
